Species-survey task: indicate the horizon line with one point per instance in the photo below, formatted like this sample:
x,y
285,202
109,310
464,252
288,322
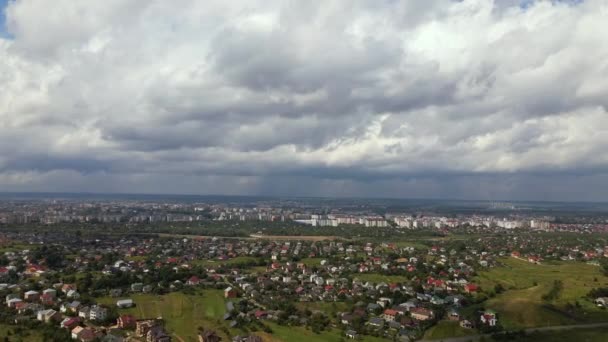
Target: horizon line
x,y
88,193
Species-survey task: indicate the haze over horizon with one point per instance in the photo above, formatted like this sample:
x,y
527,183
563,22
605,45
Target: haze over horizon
x,y
472,99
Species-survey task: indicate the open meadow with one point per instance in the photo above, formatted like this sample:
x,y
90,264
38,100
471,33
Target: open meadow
x,y
578,335
241,260
182,313
185,313
522,305
378,278
445,329
299,334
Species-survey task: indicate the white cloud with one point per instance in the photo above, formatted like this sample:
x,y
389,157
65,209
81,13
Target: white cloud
x,y
422,95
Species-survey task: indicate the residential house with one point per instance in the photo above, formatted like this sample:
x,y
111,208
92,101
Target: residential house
x,y
352,334
126,322
489,318
390,315
31,296
11,303
421,314
70,323
76,332
471,288
73,294
194,280
83,312
70,307
230,293
157,334
98,313
87,335
376,322
137,287
453,315
48,316
208,336
601,301
466,324
143,326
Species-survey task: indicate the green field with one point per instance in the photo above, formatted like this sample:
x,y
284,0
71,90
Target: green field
x,y
444,329
578,335
16,247
230,262
378,278
299,334
257,269
136,258
522,304
311,261
182,313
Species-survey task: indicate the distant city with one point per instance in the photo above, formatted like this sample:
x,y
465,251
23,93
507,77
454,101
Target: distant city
x,y
49,209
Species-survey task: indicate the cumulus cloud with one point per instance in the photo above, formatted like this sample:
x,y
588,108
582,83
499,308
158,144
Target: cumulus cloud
x,y
463,99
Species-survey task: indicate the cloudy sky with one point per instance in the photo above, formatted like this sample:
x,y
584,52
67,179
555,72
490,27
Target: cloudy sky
x,y
469,99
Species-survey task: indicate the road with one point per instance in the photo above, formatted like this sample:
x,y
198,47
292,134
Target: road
x,y
528,330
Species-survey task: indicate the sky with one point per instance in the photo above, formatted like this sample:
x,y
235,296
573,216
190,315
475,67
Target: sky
x,y
3,32
471,99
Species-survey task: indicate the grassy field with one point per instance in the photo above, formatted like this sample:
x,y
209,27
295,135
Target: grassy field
x,y
258,269
182,313
445,329
300,334
136,258
295,237
311,261
234,261
14,246
377,278
415,244
522,304
579,335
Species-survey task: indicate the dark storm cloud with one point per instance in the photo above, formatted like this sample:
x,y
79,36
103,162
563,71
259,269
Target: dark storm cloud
x,y
43,163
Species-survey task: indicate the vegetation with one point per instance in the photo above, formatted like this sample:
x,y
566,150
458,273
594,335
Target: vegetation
x,y
238,261
182,313
579,335
19,334
377,278
299,334
542,295
329,308
555,291
444,329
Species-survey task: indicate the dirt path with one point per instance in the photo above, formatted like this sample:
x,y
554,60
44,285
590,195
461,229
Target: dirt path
x,y
257,236
295,237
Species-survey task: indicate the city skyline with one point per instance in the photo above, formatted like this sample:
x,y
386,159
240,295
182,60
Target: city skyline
x,y
473,100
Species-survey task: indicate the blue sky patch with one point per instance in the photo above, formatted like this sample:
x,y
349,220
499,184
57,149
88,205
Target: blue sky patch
x,y
3,32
